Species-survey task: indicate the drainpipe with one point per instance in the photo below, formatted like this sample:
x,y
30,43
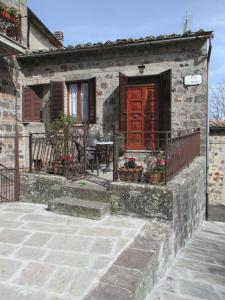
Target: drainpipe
x,y
207,133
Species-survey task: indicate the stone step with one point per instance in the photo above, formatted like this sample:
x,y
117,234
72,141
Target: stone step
x,y
79,207
86,191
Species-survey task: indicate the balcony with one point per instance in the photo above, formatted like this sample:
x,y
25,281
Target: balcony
x,y
10,31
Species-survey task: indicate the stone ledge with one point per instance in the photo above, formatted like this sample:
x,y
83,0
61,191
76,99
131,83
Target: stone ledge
x,y
137,270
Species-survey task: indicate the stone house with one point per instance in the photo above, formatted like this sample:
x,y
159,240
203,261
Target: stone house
x,y
147,84
216,162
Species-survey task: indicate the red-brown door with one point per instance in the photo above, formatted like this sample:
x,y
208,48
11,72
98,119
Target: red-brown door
x,y
142,117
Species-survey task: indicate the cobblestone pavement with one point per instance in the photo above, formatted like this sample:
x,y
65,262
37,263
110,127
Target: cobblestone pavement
x,y
199,270
44,256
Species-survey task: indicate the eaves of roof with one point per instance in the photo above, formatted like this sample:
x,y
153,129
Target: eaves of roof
x,y
161,39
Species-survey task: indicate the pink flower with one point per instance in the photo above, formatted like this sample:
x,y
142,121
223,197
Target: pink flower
x,y
162,162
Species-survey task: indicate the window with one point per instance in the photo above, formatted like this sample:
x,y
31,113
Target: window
x,y
81,100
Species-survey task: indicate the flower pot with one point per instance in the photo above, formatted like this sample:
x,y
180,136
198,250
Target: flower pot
x,y
130,175
57,167
7,16
154,178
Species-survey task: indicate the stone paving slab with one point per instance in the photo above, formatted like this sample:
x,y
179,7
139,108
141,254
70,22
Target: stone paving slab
x,y
44,256
199,270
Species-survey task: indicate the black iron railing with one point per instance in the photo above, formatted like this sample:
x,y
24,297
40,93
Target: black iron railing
x,y
9,168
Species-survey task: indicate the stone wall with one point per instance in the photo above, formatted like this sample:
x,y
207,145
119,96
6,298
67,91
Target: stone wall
x,y
181,202
216,186
189,104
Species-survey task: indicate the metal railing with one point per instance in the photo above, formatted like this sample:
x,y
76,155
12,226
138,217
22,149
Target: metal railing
x,y
10,24
179,148
62,153
9,168
7,184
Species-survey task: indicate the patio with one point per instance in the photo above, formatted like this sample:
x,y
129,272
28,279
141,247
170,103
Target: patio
x,y
47,256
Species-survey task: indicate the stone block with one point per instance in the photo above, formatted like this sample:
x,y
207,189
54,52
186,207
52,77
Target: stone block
x,y
61,280
12,292
70,259
102,246
135,259
82,283
35,275
8,268
13,236
104,291
29,253
128,279
70,243
38,239
6,249
101,262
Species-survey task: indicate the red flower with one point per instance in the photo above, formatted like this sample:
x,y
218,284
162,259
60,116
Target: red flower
x,y
68,158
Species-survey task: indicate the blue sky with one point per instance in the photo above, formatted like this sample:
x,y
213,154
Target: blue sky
x,y
101,20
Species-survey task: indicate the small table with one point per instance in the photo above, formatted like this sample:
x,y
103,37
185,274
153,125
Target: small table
x,y
106,144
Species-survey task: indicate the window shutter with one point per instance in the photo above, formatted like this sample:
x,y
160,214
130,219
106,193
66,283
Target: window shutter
x,y
27,104
57,99
123,81
92,100
32,104
36,100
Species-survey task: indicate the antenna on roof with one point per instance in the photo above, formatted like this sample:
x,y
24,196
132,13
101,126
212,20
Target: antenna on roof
x,y
186,26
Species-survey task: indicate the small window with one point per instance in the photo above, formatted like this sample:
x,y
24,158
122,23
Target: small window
x,y
81,101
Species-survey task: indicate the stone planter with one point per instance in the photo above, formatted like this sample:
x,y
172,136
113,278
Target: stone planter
x,y
154,178
131,175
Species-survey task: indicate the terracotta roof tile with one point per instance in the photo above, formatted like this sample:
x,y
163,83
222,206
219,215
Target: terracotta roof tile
x,y
217,124
118,42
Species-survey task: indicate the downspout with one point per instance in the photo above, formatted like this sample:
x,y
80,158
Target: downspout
x,y
207,133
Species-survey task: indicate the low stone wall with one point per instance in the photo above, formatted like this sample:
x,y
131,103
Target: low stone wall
x,y
39,188
182,201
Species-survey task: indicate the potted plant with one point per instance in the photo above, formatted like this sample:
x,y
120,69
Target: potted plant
x,y
9,13
155,168
130,171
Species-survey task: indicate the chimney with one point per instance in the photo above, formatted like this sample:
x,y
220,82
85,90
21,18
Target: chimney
x,y
60,36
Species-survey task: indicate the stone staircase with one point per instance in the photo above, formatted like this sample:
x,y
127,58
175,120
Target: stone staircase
x,y
82,198
88,201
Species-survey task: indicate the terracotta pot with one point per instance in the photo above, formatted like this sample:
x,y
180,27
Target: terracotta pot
x,y
130,175
57,167
154,178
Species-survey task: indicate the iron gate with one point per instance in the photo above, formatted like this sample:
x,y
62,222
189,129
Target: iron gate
x,y
9,168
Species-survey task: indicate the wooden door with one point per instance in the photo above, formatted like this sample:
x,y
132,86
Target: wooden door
x,y
142,117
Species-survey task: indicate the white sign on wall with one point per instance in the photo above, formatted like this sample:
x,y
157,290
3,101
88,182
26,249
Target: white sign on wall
x,y
193,80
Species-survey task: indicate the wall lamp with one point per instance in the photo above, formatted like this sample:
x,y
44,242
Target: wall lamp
x,y
141,69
